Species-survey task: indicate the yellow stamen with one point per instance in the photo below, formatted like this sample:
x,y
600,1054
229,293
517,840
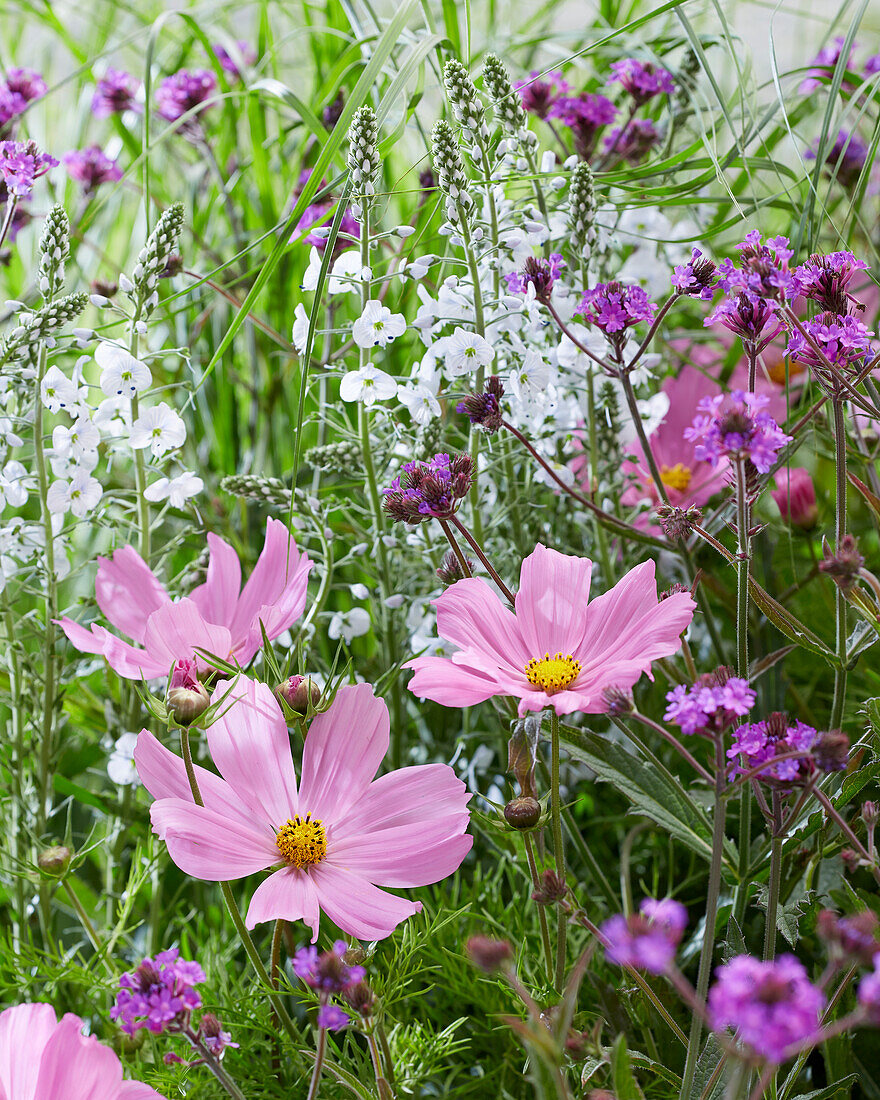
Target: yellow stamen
x,y
552,674
302,841
676,477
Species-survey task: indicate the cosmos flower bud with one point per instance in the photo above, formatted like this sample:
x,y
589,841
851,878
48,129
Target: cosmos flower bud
x,y
489,954
55,860
795,498
299,693
187,697
522,813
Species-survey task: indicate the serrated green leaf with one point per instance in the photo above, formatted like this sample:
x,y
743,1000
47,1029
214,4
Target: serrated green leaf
x,y
625,1087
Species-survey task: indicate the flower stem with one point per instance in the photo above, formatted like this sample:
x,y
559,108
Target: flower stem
x,y
743,524
708,948
774,880
632,405
839,533
319,1063
558,851
456,549
140,470
542,915
382,1085
478,550
213,1064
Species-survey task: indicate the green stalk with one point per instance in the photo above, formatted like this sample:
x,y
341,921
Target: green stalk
x,y
480,328
16,826
542,915
319,1063
774,880
839,533
743,523
558,851
214,1065
140,466
708,948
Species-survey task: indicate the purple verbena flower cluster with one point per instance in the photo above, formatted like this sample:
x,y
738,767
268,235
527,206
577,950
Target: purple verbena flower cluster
x,y
184,91
763,270
824,279
115,92
754,320
633,142
823,64
540,93
647,940
759,742
429,489
91,167
537,277
697,277
770,1005
327,971
21,165
737,427
845,159
709,706
614,307
20,88
159,995
228,63
641,79
842,339
484,408
320,211
585,115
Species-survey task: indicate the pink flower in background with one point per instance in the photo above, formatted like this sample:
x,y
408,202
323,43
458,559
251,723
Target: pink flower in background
x,y
688,480
796,497
555,649
219,616
338,837
43,1058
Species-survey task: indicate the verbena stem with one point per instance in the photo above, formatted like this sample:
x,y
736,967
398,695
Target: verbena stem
x,y
558,850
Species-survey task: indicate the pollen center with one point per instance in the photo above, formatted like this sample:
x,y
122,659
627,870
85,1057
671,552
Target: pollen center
x,y
552,674
302,841
676,477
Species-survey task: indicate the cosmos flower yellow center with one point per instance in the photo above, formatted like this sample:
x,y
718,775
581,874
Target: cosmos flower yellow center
x,y
552,674
302,841
676,477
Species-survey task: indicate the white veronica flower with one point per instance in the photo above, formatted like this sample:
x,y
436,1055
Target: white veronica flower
x,y
531,377
377,326
367,384
81,438
300,331
176,490
346,274
78,495
349,624
8,436
121,374
14,485
57,392
113,416
120,764
160,429
466,352
421,402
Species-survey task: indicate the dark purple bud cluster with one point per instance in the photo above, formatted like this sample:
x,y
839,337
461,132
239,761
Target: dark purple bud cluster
x,y
484,408
429,489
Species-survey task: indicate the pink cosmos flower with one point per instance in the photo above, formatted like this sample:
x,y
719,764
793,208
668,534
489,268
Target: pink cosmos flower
x,y
688,480
335,838
219,616
43,1058
555,650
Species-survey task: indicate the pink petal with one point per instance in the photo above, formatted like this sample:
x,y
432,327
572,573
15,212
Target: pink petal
x,y
135,1090
627,629
24,1032
275,591
344,748
471,616
216,599
451,685
177,629
164,775
409,796
289,894
250,745
404,857
129,661
551,604
210,845
358,907
128,591
77,1067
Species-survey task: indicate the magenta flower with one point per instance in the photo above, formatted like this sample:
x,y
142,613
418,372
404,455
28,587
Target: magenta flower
x,y
159,995
633,142
336,837
710,705
21,165
115,92
868,994
770,1005
641,79
823,64
537,277
760,742
648,939
91,167
615,307
554,650
845,159
228,63
843,339
796,497
737,427
540,93
217,617
184,91
43,1058
696,278
688,480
